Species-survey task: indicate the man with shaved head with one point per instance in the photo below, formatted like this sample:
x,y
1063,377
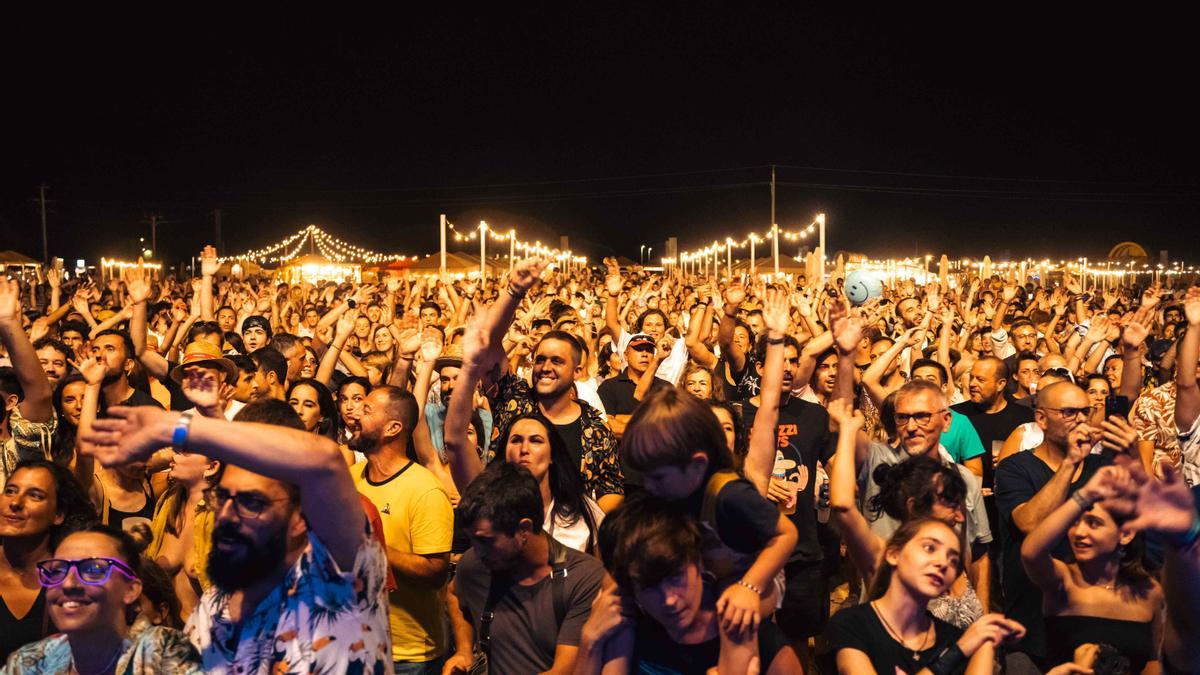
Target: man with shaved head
x,y
1030,485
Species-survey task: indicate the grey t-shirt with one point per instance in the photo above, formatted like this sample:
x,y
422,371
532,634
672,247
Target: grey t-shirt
x,y
977,527
524,633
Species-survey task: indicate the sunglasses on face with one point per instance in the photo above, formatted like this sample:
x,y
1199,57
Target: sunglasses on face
x,y
91,571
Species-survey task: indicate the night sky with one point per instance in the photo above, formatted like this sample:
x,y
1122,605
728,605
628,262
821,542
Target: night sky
x,y
1022,134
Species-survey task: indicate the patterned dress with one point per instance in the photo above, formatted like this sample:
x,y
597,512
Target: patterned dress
x,y
152,651
319,620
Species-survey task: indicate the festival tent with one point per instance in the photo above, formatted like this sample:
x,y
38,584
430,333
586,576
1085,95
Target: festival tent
x,y
458,264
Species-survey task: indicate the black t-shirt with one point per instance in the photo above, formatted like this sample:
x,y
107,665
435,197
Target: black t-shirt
x,y
616,393
137,399
993,427
1018,479
804,439
655,652
746,520
571,434
860,628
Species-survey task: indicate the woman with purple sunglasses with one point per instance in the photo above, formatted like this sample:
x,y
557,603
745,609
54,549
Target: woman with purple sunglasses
x,y
92,590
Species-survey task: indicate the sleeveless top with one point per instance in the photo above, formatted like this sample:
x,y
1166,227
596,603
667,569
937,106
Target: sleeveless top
x,y
126,520
16,633
1132,639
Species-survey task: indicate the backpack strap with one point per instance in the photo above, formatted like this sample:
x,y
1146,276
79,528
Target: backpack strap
x,y
716,483
496,590
558,575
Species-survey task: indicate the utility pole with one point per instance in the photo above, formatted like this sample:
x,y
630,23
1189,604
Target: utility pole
x,y
153,234
217,229
45,237
774,229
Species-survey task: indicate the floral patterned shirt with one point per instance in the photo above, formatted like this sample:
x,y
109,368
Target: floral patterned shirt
x,y
600,465
1153,417
319,620
152,651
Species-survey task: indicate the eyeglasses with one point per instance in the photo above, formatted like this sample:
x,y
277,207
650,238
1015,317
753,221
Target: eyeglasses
x,y
921,418
248,506
91,571
1068,413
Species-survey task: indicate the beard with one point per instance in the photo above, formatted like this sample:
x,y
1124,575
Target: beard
x,y
361,442
232,572
111,376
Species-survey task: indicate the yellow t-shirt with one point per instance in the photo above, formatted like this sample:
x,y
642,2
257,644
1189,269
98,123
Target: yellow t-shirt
x,y
417,518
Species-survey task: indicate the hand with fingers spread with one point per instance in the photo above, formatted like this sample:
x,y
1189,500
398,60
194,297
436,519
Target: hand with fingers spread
x,y
1166,506
1191,306
92,369
776,314
10,301
526,273
129,434
410,342
1097,329
135,283
345,322
847,333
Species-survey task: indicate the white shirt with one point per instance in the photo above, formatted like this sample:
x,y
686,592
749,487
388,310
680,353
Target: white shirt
x,y
572,535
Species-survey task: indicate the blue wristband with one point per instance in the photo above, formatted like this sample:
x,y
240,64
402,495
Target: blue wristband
x,y
179,436
1188,538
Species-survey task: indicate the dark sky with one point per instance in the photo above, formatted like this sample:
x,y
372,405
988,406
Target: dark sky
x,y
964,133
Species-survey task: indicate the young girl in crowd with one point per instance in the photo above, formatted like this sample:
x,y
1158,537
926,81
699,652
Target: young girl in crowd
x,y
895,632
1104,596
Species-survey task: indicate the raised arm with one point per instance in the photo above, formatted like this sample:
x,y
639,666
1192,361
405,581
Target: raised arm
x,y
873,376
345,326
327,496
862,545
736,356
1036,550
613,284
36,406
1134,331
698,331
139,292
208,269
760,458
1187,398
1028,515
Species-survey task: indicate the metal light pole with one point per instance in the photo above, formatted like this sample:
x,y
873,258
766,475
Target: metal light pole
x,y
775,244
752,240
729,257
512,249
821,233
442,267
483,228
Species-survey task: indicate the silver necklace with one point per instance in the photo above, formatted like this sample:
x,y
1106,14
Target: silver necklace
x,y
916,653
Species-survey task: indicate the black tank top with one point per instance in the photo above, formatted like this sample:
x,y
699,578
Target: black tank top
x,y
16,633
1132,639
126,520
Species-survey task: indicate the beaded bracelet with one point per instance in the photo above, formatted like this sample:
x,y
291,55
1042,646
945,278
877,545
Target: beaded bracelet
x,y
746,584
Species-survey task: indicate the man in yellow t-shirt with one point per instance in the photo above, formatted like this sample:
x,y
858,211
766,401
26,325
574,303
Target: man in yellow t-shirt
x,y
418,524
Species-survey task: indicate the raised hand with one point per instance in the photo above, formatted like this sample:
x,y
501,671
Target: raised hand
x,y
776,314
92,369
847,333
842,411
475,341
410,342
1098,328
345,322
135,283
613,281
363,293
39,329
1166,505
208,262
10,300
129,434
430,350
526,273
1009,293
735,294
1191,306
1135,327
1151,296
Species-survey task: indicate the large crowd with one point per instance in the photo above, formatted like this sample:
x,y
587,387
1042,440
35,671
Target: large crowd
x,y
608,470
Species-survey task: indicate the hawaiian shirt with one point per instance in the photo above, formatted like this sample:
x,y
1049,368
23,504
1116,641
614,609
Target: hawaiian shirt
x,y
1189,450
318,620
1153,417
155,650
601,465
29,440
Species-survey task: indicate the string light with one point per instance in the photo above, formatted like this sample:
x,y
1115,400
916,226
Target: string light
x,y
330,246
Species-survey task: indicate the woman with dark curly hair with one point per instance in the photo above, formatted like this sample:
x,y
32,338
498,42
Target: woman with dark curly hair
x,y
40,501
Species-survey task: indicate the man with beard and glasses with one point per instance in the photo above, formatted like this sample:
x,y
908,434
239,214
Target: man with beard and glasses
x,y
27,419
418,524
557,362
298,580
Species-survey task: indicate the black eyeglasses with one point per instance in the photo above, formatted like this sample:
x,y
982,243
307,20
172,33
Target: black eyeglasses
x,y
248,506
921,418
91,571
1068,413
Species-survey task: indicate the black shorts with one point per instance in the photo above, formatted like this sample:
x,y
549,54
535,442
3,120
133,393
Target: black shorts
x,y
805,609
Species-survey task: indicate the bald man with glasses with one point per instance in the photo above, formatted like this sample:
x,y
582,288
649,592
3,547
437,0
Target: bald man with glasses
x,y
1030,485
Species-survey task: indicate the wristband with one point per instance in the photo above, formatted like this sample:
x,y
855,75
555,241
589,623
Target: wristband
x,y
179,436
513,291
950,660
746,584
1188,538
775,341
1084,503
